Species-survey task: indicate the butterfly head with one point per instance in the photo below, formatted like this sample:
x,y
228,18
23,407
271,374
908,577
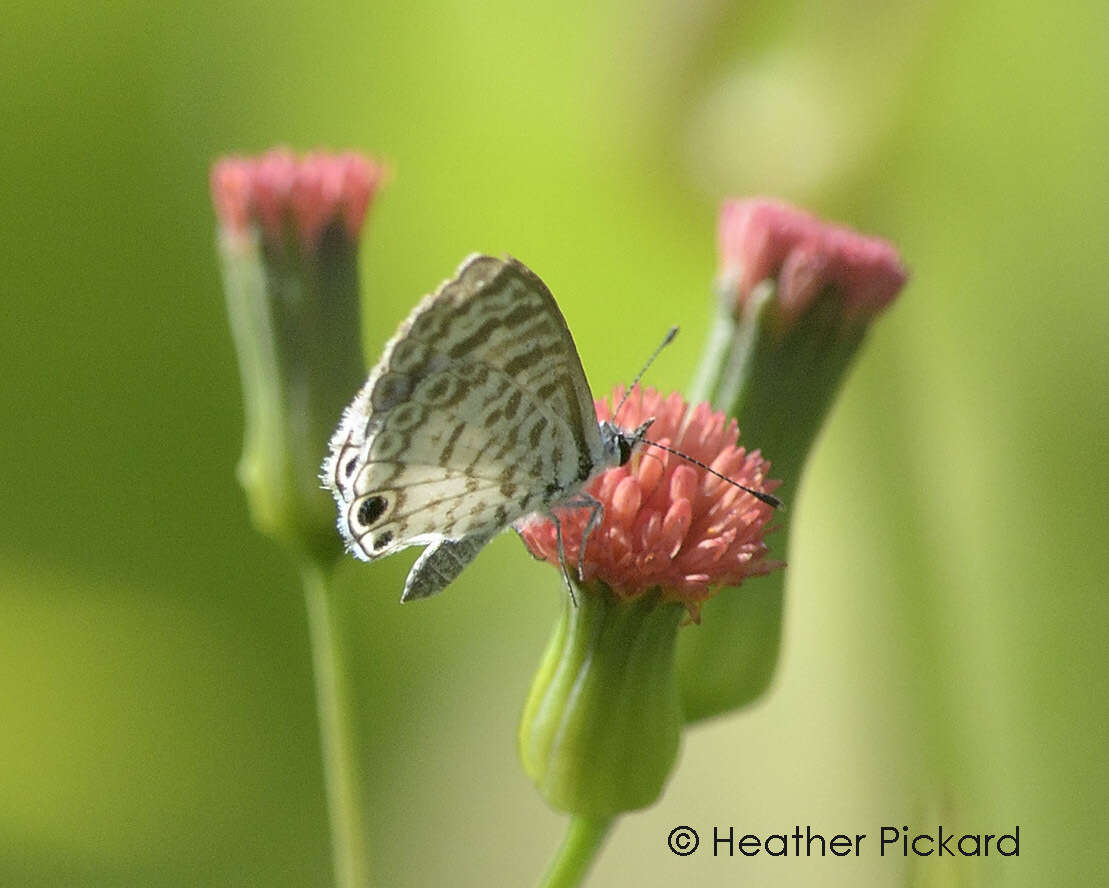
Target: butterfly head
x,y
619,443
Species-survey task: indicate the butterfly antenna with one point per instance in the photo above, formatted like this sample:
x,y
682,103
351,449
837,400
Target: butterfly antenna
x,y
767,498
666,340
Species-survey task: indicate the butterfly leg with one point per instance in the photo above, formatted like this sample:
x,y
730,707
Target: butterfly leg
x,y
562,557
596,516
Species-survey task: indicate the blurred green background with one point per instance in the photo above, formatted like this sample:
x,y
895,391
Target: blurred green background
x,y
945,656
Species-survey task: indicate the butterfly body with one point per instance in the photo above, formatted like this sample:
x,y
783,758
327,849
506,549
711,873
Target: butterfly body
x,y
478,414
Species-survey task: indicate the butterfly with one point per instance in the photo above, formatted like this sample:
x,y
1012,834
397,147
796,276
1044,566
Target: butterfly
x,y
477,414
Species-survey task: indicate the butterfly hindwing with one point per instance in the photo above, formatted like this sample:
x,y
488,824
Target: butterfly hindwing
x,y
389,519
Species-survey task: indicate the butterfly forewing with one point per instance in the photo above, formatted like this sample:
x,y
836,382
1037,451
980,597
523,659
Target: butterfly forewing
x,y
499,314
478,413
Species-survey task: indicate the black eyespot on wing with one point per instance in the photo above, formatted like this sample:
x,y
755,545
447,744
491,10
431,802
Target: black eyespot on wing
x,y
383,540
348,469
372,508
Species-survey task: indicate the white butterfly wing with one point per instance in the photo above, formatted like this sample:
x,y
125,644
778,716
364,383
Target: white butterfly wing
x,y
478,412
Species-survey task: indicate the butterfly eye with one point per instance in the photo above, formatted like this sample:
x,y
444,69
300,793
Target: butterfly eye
x,y
625,449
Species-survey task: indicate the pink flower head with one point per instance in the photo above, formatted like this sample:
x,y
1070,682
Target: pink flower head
x,y
668,523
761,239
281,193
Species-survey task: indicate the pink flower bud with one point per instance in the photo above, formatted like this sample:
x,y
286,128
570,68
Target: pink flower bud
x,y
761,240
281,194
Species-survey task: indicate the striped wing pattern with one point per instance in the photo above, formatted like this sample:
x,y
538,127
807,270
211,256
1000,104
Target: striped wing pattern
x,y
478,413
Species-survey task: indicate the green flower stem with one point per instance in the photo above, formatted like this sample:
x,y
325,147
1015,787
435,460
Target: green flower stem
x,y
601,726
778,381
584,837
334,702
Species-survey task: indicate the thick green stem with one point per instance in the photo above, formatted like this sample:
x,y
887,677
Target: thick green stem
x,y
334,702
584,837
